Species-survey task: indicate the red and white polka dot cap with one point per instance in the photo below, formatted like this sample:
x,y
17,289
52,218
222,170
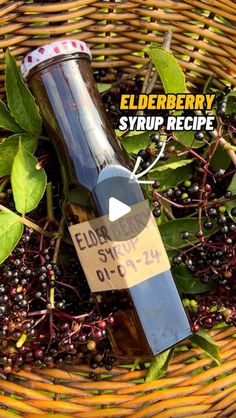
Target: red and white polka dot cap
x,y
43,53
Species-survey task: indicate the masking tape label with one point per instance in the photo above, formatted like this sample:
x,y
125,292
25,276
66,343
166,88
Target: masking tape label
x,y
111,265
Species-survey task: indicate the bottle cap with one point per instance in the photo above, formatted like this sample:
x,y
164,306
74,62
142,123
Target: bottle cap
x,y
54,49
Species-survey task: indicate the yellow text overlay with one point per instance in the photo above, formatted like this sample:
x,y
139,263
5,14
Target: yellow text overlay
x,y
185,101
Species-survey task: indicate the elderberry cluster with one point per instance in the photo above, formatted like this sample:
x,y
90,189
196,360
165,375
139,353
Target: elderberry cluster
x,y
207,311
213,260
47,315
154,149
184,194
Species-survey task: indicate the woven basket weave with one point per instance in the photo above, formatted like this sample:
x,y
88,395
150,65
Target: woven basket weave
x,y
204,32
191,388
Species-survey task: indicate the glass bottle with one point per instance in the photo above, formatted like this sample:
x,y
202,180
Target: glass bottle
x,y
149,316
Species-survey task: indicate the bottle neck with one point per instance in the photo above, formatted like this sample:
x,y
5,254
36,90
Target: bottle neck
x,y
75,119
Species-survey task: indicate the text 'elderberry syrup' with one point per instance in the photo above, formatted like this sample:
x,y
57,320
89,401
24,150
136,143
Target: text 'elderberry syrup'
x,y
116,237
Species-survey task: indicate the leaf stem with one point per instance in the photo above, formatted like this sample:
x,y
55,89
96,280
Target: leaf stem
x,y
54,260
44,138
41,238
49,196
189,151
58,240
167,39
161,197
147,76
145,84
52,294
165,45
168,213
29,223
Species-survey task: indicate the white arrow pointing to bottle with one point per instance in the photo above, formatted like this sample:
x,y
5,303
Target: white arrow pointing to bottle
x,y
143,173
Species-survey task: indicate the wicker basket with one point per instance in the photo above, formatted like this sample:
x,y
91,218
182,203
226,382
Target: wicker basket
x,y
204,36
191,388
204,32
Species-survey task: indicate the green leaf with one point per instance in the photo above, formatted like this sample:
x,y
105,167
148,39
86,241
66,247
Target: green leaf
x,y
6,120
220,159
208,344
11,231
159,365
9,149
134,143
187,283
232,186
232,203
28,183
170,232
187,138
136,363
170,178
20,101
208,83
232,93
173,165
170,73
103,87
231,105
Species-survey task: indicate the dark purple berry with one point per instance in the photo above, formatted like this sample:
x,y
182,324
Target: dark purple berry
x,y
208,225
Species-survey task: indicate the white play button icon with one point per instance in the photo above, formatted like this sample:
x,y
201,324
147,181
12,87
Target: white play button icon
x,y
117,209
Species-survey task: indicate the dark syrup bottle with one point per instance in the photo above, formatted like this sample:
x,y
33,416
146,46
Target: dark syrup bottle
x,y
149,316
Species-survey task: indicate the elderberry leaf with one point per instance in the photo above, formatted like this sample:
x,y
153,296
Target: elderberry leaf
x,y
232,203
187,283
11,231
220,158
20,100
173,81
187,138
102,87
208,344
173,165
171,232
136,363
28,183
159,365
9,149
170,178
7,121
230,106
232,186
171,75
136,141
232,93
